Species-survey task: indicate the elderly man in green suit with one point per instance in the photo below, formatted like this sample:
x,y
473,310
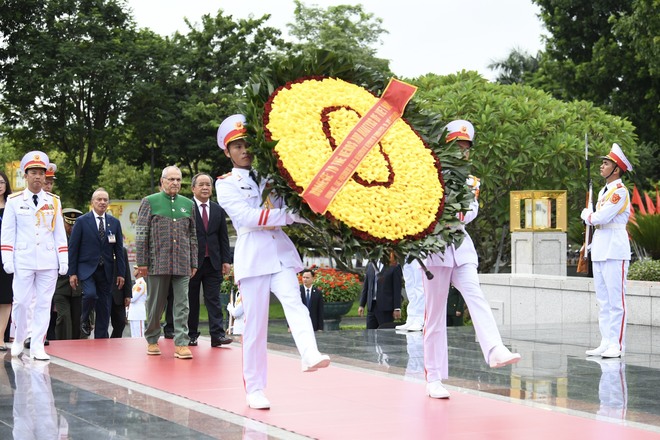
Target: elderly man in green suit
x,y
166,242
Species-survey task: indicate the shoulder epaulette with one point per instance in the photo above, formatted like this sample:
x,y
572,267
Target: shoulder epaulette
x,y
16,194
224,176
52,195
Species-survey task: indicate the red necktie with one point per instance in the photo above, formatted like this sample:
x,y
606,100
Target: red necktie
x,y
205,220
205,217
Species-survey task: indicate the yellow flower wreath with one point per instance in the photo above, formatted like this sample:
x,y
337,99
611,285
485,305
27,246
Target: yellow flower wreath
x,y
397,190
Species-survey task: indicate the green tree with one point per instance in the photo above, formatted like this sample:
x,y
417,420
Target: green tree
x,y
525,139
606,52
342,29
132,183
66,72
517,68
192,84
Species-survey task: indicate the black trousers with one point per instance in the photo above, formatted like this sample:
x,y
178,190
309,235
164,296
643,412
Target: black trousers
x,y
377,317
210,279
454,321
118,319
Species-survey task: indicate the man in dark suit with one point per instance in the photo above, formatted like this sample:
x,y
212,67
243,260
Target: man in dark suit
x,y
121,298
455,307
381,293
312,297
96,240
214,261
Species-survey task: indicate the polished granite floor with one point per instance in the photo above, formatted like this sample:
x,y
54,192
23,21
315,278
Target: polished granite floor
x,y
59,399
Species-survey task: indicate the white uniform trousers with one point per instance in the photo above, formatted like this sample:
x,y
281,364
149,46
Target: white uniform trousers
x,y
137,328
412,276
35,416
415,349
255,292
38,286
613,390
610,283
465,279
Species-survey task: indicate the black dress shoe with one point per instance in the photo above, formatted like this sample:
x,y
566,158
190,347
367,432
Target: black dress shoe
x,y
193,341
169,335
222,340
46,342
85,329
26,344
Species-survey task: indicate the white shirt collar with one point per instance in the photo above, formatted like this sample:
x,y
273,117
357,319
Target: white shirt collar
x,y
613,183
199,202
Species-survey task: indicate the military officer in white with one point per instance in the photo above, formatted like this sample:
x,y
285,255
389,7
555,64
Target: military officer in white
x,y
413,278
610,254
458,265
265,260
34,248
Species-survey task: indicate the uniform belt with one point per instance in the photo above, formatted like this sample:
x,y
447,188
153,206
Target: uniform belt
x,y
245,229
611,226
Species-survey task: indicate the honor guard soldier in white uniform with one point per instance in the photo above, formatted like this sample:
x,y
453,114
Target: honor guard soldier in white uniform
x,y
34,248
610,254
413,277
265,260
50,177
458,266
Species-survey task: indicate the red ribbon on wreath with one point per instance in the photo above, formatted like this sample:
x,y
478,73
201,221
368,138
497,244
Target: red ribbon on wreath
x,y
345,159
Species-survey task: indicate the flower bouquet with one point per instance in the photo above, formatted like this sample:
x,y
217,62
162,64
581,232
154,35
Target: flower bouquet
x,y
227,286
400,198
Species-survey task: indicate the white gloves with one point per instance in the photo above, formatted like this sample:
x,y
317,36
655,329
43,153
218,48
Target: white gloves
x,y
586,212
474,183
9,267
230,308
64,268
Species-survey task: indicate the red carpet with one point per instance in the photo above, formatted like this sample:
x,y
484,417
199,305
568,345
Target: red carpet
x,y
334,403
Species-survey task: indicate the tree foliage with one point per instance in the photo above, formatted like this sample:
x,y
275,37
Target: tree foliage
x,y
644,230
67,71
193,83
343,29
517,68
79,79
525,139
605,52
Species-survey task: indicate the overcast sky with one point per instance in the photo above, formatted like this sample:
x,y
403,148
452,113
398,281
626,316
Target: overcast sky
x,y
425,36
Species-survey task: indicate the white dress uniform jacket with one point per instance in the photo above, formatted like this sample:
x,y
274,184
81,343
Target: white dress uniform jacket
x,y
137,311
610,240
465,253
262,247
33,237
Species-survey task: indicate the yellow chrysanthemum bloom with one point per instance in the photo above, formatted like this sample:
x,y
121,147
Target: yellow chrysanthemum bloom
x,y
396,191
